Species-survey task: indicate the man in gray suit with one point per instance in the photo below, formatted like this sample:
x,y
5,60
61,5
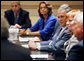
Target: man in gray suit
x,y
61,35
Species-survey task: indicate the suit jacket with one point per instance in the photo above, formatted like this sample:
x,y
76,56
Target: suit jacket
x,y
58,48
23,19
69,44
11,51
45,44
64,36
45,29
76,52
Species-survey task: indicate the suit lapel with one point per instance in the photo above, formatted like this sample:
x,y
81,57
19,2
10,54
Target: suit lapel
x,y
62,33
55,35
54,40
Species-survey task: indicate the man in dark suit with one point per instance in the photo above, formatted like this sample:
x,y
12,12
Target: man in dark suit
x,y
10,51
76,52
18,17
56,44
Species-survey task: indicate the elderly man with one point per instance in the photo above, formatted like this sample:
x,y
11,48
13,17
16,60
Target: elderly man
x,y
76,52
18,17
55,45
11,51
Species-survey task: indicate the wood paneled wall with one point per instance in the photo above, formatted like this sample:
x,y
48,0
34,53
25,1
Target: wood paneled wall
x,y
32,7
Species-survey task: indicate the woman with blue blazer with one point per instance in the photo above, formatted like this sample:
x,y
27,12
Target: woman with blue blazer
x,y
44,27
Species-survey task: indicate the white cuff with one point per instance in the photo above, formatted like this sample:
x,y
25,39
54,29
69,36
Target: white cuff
x,y
38,45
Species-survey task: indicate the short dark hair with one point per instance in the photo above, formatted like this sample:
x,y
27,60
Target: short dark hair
x,y
49,7
18,2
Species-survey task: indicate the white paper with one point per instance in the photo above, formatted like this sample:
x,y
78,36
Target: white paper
x,y
25,39
21,39
25,46
39,55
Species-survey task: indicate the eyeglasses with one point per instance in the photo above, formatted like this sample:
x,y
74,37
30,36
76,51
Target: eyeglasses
x,y
43,7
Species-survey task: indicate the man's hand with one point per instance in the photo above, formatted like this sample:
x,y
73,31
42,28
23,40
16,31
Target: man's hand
x,y
17,26
32,45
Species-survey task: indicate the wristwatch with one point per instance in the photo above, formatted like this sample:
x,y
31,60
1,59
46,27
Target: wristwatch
x,y
38,46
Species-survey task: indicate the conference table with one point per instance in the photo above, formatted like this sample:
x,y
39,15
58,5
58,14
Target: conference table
x,y
15,38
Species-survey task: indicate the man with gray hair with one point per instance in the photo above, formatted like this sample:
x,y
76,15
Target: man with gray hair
x,y
17,17
76,52
10,51
66,7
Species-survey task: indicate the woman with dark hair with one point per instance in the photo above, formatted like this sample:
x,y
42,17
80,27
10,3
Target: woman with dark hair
x,y
48,6
44,27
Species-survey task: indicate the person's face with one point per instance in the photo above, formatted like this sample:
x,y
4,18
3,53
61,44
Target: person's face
x,y
69,22
62,18
77,30
43,9
15,7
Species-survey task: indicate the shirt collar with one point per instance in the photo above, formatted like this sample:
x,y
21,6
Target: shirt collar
x,y
63,27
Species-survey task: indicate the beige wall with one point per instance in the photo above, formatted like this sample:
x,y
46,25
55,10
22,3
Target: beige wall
x,y
32,7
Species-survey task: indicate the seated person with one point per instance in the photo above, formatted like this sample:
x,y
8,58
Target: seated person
x,y
10,51
44,27
56,44
17,17
73,40
76,52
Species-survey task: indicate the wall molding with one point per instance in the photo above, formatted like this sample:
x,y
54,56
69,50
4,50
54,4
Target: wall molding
x,y
36,6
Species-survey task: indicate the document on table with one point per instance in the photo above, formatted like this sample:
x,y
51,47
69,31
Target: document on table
x,y
26,39
25,46
39,55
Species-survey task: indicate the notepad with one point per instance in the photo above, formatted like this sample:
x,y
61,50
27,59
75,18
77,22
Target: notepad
x,y
26,39
25,46
39,55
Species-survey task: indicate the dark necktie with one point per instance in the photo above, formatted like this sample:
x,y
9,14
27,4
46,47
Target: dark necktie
x,y
16,18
